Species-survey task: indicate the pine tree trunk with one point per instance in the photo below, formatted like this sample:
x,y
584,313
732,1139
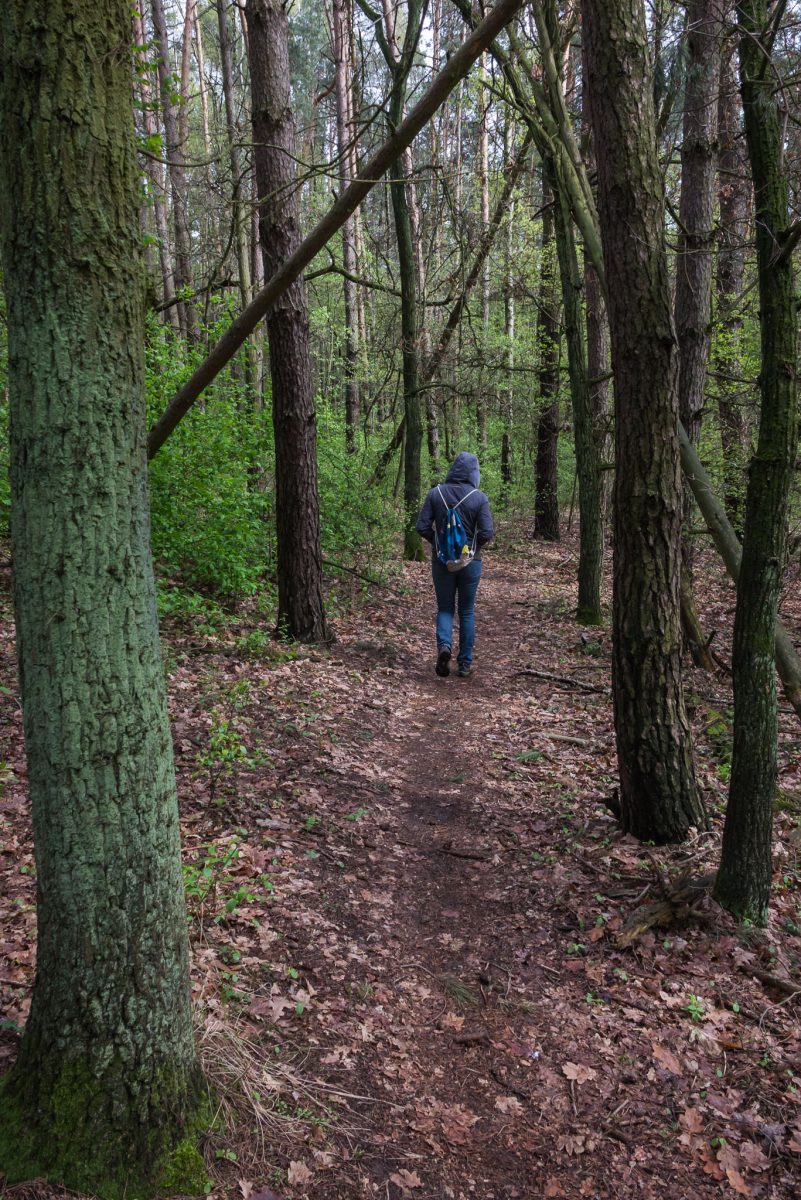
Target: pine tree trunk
x,y
299,559
546,495
743,882
107,1081
658,795
733,193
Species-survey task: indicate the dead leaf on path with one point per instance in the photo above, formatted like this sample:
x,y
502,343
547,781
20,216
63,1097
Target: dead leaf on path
x,y
406,1180
554,1188
578,1072
737,1182
572,1143
752,1156
298,1174
509,1105
666,1057
456,1122
691,1120
452,1021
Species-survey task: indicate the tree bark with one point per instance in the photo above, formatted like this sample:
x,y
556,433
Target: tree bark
x,y
546,494
299,559
588,467
177,173
107,1082
697,207
658,794
744,877
693,300
733,195
510,315
340,39
155,177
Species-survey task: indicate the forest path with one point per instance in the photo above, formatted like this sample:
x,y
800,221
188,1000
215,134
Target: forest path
x,y
404,895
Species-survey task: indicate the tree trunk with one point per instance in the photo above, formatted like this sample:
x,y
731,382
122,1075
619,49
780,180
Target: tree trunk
x,y
240,214
509,314
155,175
733,192
340,38
299,558
175,160
743,882
658,795
693,299
399,61
107,1082
697,207
588,472
546,495
483,167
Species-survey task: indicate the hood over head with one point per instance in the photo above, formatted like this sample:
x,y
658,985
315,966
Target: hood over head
x,y
464,469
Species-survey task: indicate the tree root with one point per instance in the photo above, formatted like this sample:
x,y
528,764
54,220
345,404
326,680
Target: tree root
x,y
679,903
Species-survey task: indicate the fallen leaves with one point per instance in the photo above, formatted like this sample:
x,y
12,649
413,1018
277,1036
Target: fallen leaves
x,y
298,1174
578,1072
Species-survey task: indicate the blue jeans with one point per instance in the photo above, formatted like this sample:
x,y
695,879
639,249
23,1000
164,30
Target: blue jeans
x,y
448,585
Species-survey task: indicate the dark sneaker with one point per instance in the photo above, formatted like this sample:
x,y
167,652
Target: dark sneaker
x,y
443,658
465,669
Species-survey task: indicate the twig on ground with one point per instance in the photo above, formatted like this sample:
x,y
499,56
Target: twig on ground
x,y
567,680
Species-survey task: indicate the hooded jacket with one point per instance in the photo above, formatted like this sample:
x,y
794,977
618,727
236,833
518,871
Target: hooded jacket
x,y
463,476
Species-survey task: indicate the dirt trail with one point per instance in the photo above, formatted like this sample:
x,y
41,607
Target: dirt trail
x,y
420,915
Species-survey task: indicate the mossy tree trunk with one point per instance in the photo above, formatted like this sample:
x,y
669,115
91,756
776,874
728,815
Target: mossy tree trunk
x,y
546,486
743,881
297,506
658,794
106,1083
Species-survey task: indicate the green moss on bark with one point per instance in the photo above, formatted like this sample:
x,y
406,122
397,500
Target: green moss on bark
x,y
93,1136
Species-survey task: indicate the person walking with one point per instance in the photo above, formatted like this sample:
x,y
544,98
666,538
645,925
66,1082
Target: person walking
x,y
460,491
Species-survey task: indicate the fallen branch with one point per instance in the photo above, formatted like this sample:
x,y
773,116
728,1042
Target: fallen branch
x,y
327,562
565,679
788,987
20,983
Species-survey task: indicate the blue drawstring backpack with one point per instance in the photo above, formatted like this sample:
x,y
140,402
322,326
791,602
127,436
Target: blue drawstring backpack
x,y
454,550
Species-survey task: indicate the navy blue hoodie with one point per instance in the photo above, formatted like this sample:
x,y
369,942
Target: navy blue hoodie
x,y
463,476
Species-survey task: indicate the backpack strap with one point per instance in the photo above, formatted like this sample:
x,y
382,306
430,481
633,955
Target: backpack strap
x,y
452,508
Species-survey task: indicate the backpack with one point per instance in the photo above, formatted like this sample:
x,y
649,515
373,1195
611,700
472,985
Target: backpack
x,y
454,551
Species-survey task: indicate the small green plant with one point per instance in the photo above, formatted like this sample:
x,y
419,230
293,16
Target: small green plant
x,y
694,1007
576,948
224,753
357,815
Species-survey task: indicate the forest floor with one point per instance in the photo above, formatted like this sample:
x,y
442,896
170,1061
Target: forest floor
x,y
408,907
